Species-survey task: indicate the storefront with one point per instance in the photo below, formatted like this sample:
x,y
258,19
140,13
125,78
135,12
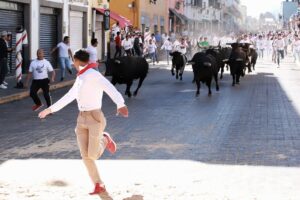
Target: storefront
x,y
11,16
49,32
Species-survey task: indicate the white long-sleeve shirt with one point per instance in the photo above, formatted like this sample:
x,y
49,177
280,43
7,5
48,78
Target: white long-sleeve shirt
x,y
127,44
88,91
167,45
279,44
260,44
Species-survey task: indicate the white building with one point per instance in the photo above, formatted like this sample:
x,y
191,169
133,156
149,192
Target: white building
x,y
231,15
204,16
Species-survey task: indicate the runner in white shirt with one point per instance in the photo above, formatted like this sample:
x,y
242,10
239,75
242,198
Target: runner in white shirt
x,y
181,47
38,70
296,48
269,46
260,45
92,50
167,46
88,91
64,52
127,45
279,45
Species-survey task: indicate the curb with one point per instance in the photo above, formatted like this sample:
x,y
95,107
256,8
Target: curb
x,y
22,95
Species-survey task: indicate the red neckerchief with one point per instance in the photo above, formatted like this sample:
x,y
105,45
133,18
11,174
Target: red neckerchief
x,y
89,66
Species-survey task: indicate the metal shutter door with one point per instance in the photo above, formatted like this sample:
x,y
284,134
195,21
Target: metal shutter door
x,y
9,20
76,30
48,36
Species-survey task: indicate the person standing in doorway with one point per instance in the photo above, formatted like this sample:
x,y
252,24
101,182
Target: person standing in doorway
x,y
88,91
64,55
38,71
3,59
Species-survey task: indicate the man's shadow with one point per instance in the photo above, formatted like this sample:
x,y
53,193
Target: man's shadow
x,y
106,196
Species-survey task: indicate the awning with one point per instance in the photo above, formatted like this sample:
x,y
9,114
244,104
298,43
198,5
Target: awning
x,y
183,18
123,21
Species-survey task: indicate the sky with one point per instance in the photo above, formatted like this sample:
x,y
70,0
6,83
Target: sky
x,y
255,7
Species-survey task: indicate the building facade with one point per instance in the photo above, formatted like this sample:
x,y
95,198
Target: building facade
x,y
96,27
47,22
177,20
127,8
288,9
204,16
231,16
152,14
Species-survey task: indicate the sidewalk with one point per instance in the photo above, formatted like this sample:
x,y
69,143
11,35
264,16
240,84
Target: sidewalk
x,y
12,94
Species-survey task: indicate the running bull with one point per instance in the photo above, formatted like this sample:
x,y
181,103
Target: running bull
x,y
125,70
205,68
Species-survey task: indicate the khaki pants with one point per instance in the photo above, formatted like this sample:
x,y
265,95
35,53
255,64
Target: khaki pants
x,y
91,142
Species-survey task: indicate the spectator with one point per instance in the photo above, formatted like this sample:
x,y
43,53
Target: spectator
x,y
204,43
154,42
158,39
151,50
3,59
38,70
137,46
118,45
115,29
64,53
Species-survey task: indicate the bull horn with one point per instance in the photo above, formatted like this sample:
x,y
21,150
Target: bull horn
x,y
239,59
118,61
225,60
207,64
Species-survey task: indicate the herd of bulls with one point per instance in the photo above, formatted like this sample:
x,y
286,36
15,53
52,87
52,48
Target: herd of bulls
x,y
206,64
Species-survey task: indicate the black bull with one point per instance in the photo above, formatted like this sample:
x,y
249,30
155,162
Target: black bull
x,y
178,62
237,62
125,70
205,68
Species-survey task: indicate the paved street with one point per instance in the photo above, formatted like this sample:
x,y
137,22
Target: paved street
x,y
241,143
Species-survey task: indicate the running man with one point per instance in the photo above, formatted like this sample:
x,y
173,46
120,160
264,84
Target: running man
x,y
38,71
64,54
88,91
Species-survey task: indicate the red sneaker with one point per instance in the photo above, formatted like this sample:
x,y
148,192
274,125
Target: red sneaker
x,y
98,189
111,145
37,107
